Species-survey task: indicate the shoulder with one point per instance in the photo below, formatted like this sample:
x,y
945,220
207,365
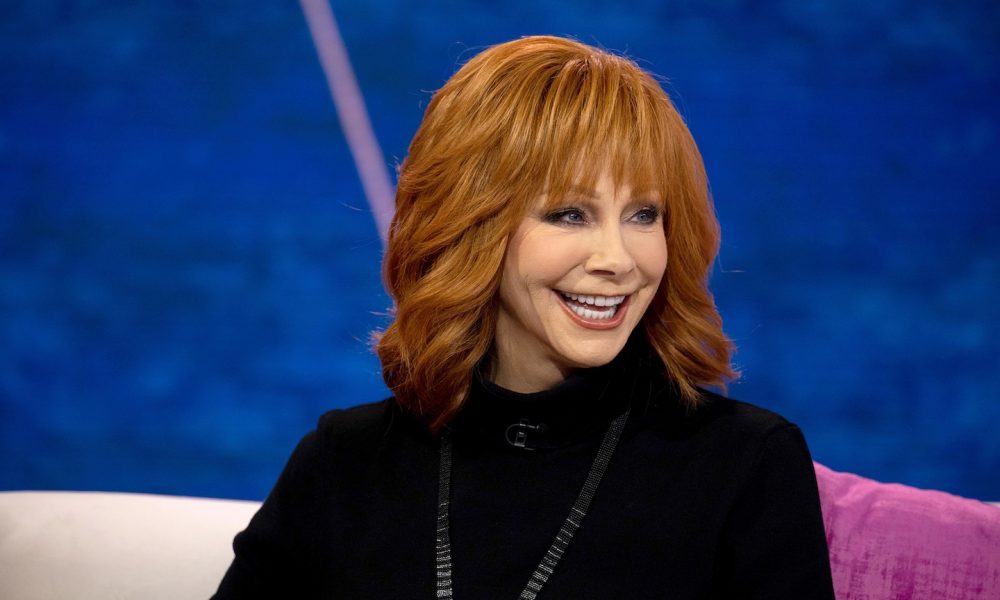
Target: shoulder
x,y
365,425
773,543
355,420
715,413
346,441
738,416
741,433
763,440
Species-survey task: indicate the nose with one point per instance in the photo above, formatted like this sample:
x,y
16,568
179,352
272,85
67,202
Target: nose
x,y
610,255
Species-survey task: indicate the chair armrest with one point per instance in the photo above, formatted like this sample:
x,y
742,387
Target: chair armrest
x,y
91,545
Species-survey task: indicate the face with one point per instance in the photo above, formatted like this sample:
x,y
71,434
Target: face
x,y
576,281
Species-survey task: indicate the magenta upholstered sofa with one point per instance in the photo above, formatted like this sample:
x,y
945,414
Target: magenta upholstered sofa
x,y
890,541
887,542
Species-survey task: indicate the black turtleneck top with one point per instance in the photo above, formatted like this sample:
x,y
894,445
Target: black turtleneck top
x,y
720,502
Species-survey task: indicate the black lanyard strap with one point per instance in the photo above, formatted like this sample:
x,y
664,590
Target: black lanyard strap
x,y
569,527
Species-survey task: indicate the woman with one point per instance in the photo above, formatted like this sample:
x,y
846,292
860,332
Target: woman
x,y
546,436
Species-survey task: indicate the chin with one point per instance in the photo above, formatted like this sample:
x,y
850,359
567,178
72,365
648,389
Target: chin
x,y
597,358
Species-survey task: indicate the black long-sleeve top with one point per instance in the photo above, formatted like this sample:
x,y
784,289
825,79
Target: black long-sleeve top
x,y
719,502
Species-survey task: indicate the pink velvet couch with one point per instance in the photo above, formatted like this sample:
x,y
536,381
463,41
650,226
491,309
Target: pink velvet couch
x,y
890,541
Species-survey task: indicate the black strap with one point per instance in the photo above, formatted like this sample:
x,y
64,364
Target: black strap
x,y
555,552
443,545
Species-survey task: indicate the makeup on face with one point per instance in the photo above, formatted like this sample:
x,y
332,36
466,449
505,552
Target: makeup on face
x,y
576,281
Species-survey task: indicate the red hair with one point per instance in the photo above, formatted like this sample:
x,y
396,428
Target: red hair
x,y
519,118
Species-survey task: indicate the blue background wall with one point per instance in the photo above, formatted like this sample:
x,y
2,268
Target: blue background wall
x,y
189,271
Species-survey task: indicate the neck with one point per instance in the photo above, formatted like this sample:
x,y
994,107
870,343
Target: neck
x,y
527,378
574,410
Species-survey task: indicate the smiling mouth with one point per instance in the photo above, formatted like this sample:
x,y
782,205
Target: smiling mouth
x,y
592,308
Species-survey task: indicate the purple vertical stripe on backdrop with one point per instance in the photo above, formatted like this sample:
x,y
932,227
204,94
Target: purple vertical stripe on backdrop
x,y
351,111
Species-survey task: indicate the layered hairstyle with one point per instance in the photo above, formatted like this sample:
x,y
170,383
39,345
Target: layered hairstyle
x,y
538,114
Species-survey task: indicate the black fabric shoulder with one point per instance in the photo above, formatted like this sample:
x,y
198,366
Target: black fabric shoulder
x,y
363,419
743,415
717,416
774,540
349,438
275,555
367,423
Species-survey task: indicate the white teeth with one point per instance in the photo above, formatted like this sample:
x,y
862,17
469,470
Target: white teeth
x,y
594,315
595,300
609,305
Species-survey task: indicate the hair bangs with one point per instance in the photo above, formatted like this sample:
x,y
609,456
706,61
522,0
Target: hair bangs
x,y
601,115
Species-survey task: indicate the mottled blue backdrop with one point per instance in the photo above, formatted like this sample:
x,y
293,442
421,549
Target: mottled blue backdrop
x,y
189,272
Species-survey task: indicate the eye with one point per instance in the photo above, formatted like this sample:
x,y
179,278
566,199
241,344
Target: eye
x,y
647,215
566,216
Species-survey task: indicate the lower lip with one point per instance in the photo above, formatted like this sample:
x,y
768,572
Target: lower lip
x,y
611,323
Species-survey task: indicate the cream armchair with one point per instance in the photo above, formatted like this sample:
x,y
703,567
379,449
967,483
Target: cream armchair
x,y
110,546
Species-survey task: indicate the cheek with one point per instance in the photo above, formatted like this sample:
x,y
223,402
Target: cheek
x,y
514,297
650,254
526,281
547,262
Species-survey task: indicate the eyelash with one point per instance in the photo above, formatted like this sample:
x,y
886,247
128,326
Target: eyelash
x,y
652,215
652,212
559,216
